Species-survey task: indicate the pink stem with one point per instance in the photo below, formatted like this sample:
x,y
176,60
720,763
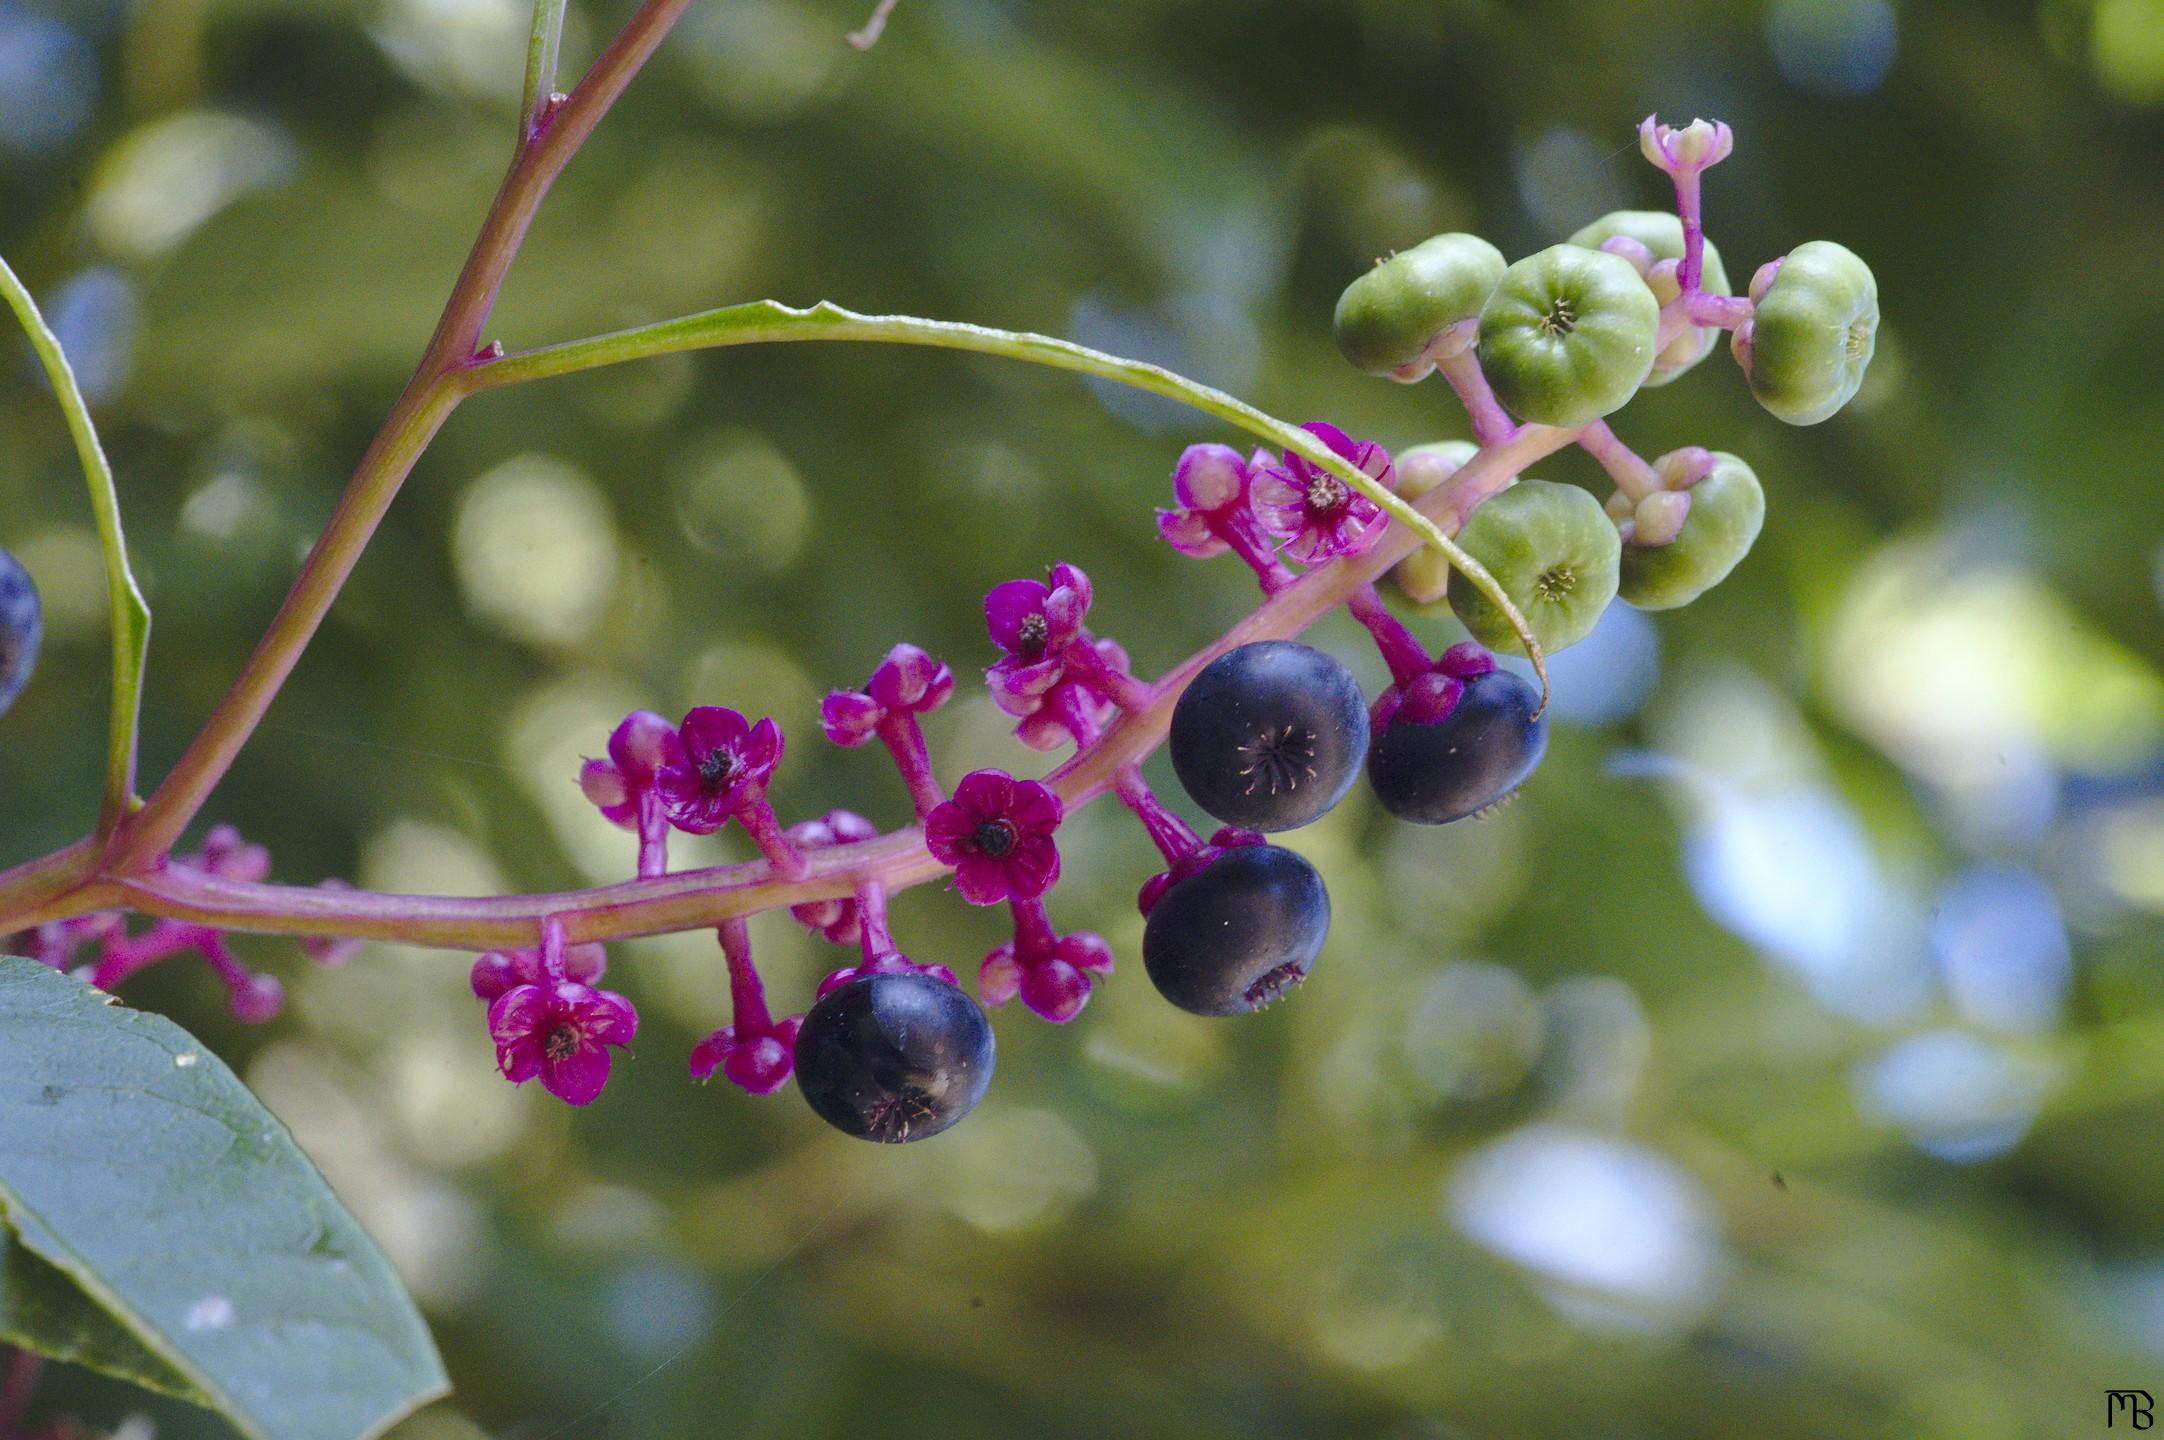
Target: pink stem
x,y
1492,424
780,851
1172,836
904,739
1690,211
1724,311
653,835
747,993
552,946
67,882
871,897
1240,531
1033,933
1632,475
1092,669
1407,658
1076,715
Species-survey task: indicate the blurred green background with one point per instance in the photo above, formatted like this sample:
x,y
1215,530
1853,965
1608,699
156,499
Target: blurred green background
x,y
1789,1061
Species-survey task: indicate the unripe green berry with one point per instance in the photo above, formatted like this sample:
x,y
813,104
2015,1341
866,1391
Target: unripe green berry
x,y
1808,345
1424,575
1388,318
1554,551
1662,235
1727,507
1568,335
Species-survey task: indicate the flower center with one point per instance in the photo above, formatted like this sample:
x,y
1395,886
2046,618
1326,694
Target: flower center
x,y
1859,340
1279,760
1561,319
561,1043
716,769
994,837
1556,584
1325,494
1032,635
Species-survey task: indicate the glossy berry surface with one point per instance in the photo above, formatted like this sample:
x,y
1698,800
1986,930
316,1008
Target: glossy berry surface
x,y
1434,772
1237,934
1556,554
22,628
1568,335
1727,510
1270,736
1661,233
1386,319
894,1057
1806,349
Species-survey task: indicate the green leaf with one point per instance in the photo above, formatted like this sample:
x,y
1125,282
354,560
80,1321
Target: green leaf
x,y
131,615
133,1162
42,1310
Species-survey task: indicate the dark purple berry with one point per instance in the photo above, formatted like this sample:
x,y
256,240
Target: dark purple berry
x,y
1238,933
894,1056
1270,736
1434,772
22,627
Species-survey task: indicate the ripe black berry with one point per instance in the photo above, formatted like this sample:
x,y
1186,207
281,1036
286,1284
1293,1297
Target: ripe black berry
x,y
1237,934
894,1057
22,626
1435,772
1270,736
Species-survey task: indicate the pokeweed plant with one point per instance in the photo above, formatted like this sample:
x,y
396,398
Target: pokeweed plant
x,y
1266,734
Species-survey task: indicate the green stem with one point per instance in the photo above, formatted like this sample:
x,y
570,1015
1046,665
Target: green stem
x,y
131,616
541,54
766,321
427,401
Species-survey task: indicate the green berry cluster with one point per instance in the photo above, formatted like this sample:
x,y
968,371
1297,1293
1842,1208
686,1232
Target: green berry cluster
x,y
1564,338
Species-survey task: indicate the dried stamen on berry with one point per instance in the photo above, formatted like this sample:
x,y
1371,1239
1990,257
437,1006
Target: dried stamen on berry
x,y
1497,804
994,838
1560,320
1274,984
1280,760
1326,493
889,1120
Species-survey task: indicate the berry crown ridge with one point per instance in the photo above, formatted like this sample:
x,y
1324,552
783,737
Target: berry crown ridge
x,y
1265,734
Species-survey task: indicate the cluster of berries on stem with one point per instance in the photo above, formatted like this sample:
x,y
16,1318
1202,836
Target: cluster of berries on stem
x,y
1266,734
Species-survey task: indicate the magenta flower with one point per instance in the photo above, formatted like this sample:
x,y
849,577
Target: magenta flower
x,y
1053,980
997,834
908,682
226,855
639,747
1317,514
722,770
759,1063
1034,622
834,920
1210,482
560,1034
